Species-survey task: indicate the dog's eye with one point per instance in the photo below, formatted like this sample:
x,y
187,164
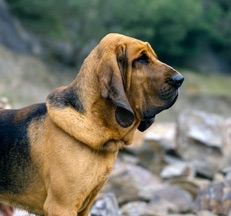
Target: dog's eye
x,y
143,59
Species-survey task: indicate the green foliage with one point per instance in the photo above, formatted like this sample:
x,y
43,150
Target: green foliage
x,y
42,17
175,28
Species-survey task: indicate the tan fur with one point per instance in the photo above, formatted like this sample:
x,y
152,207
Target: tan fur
x,y
73,151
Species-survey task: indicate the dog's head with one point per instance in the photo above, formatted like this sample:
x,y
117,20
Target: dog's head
x,y
134,79
120,87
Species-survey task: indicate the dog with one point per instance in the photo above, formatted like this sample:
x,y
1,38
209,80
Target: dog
x,y
56,156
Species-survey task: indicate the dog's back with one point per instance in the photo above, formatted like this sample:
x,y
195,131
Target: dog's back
x,y
15,157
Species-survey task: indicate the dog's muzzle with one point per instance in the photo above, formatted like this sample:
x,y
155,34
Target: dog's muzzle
x,y
169,94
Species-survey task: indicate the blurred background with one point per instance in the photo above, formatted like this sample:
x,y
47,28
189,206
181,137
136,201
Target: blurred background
x,y
43,44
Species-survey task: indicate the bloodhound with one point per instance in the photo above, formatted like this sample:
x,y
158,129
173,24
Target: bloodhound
x,y
56,156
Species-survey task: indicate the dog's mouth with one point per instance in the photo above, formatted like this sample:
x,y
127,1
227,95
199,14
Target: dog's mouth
x,y
149,116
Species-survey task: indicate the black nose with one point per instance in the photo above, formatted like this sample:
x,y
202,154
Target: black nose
x,y
176,80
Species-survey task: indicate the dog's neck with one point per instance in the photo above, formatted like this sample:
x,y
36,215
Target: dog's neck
x,y
79,110
90,123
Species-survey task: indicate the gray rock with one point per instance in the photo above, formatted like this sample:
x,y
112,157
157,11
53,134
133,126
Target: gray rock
x,y
107,206
178,169
151,156
159,139
181,215
227,141
227,172
180,200
216,197
190,184
142,209
201,141
131,183
201,127
206,213
167,199
164,134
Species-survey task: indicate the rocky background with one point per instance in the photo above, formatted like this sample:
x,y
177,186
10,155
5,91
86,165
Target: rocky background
x,y
180,166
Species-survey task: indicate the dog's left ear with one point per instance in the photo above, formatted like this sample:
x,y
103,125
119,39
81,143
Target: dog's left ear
x,y
111,79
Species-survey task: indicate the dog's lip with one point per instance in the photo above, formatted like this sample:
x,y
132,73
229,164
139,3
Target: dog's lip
x,y
145,118
149,117
160,109
173,101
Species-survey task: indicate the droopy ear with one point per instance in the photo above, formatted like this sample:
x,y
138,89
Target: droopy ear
x,y
112,87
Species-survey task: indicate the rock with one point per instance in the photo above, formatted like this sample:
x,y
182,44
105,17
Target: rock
x,y
202,127
157,141
205,213
227,141
227,172
201,213
141,209
181,214
177,199
190,184
128,155
131,183
201,141
164,134
179,169
107,206
151,156
216,197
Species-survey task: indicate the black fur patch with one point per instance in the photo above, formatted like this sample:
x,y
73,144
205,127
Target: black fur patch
x,y
72,98
15,160
67,97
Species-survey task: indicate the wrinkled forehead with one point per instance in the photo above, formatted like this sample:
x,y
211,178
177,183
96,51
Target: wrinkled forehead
x,y
113,40
138,46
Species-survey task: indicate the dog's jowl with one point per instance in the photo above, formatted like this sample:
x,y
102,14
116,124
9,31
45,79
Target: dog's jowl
x,y
56,156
